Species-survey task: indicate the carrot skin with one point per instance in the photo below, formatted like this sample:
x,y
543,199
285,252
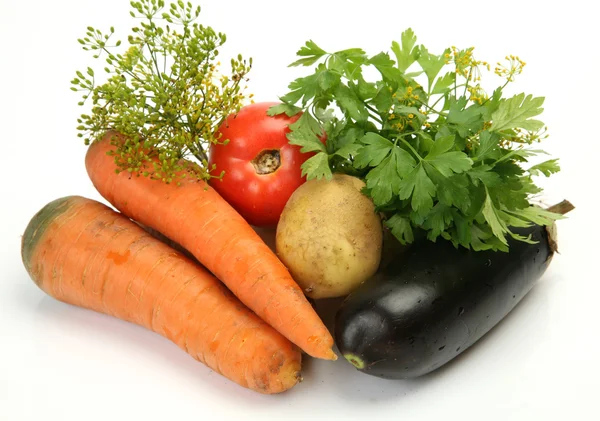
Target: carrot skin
x,y
195,216
81,252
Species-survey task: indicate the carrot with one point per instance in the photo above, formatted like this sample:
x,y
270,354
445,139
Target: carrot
x,y
195,216
81,252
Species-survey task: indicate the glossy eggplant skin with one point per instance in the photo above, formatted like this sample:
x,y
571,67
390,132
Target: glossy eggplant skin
x,y
434,302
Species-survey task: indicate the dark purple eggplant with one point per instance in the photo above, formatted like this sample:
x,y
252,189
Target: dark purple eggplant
x,y
420,312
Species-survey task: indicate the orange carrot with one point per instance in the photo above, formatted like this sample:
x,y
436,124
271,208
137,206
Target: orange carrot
x,y
195,216
83,253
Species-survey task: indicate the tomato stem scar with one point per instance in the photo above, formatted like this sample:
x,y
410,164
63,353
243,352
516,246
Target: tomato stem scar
x,y
267,161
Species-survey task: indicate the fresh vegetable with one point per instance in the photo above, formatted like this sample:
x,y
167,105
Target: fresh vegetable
x,y
436,301
330,236
81,252
166,92
439,154
257,170
194,215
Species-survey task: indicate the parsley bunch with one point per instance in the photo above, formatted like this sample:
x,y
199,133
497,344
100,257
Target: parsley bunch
x,y
439,156
165,92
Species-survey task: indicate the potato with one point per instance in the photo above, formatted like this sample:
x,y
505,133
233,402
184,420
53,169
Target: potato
x,y
329,236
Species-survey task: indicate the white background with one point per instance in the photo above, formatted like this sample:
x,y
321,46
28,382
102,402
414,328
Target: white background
x,y
58,362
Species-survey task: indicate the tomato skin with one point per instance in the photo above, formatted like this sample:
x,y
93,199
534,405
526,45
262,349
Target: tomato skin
x,y
259,198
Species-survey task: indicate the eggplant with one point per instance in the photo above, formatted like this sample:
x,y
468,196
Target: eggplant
x,y
434,302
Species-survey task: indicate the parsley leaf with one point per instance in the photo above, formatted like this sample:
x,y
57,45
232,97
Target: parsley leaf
x,y
518,112
536,215
376,149
465,120
488,146
349,150
348,62
431,63
546,168
401,228
437,220
497,225
385,179
365,89
451,191
385,65
481,238
418,185
492,104
450,162
292,97
441,145
443,83
383,100
317,167
407,53
283,108
445,162
302,133
346,136
303,88
328,79
485,175
350,103
311,53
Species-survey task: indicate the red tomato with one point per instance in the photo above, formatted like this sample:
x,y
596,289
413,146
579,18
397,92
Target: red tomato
x,y
262,169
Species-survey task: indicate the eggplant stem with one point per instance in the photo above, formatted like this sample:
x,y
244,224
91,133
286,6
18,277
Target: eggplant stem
x,y
561,208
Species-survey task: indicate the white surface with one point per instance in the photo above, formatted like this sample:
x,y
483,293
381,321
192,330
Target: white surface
x,y
58,362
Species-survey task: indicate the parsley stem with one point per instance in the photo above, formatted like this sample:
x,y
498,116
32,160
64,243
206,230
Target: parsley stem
x,y
467,82
437,101
455,78
370,107
501,88
375,116
411,148
430,108
401,135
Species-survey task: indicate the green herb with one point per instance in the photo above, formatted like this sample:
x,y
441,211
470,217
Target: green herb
x,y
165,92
439,155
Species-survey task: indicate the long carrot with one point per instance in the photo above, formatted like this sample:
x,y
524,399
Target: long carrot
x,y
81,252
195,216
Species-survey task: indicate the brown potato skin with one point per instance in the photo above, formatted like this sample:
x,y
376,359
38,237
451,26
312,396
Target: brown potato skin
x,y
329,236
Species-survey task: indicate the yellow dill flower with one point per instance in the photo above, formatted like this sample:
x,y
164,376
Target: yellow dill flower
x,y
511,69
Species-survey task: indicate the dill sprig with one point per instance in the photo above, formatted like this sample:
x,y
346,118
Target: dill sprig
x,y
165,92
